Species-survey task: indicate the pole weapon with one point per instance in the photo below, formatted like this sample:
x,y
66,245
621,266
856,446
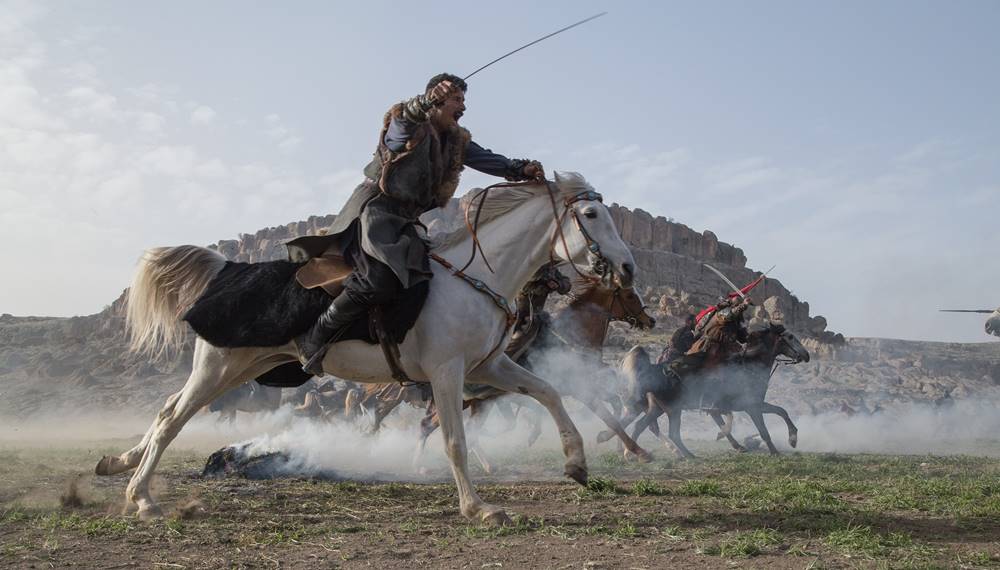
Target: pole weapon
x,y
559,31
983,311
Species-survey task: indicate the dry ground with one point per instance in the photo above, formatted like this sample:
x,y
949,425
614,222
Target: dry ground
x,y
725,510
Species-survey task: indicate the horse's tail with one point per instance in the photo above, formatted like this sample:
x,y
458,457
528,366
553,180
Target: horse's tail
x,y
167,282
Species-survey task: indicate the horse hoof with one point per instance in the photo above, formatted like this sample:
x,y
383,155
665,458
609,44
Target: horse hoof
x,y
106,466
741,449
793,440
603,436
497,519
151,513
644,456
578,474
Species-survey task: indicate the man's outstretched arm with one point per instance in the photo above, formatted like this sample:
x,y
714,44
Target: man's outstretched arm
x,y
489,162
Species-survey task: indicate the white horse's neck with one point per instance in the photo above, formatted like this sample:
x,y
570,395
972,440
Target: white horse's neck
x,y
516,245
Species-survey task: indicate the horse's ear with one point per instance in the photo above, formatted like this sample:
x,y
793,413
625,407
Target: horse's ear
x,y
568,177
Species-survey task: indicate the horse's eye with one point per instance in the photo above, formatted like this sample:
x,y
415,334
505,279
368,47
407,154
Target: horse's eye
x,y
590,213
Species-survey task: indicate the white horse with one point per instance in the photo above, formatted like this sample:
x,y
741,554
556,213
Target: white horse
x,y
459,337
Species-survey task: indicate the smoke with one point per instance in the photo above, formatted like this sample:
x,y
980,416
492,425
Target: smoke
x,y
966,427
290,445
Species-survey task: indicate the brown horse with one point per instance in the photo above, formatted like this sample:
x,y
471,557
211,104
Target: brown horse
x,y
726,388
580,328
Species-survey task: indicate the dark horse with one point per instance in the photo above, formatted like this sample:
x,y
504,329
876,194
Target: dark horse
x,y
738,386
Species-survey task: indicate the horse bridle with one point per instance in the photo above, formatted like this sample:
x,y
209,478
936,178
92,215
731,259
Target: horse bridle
x,y
780,359
599,263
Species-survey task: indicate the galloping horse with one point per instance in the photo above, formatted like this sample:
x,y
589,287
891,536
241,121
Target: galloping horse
x,y
457,339
726,388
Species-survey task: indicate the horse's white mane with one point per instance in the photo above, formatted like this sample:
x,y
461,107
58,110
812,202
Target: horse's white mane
x,y
448,229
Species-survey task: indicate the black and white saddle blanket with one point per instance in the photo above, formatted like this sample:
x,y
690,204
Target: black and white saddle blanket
x,y
261,304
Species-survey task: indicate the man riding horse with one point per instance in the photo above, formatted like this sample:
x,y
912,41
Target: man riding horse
x,y
421,153
680,342
722,336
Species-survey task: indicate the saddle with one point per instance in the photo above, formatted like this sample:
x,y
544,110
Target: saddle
x,y
266,304
328,272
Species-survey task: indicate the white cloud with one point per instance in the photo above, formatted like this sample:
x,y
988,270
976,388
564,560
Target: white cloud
x,y
203,115
89,169
176,161
150,122
92,103
212,169
289,144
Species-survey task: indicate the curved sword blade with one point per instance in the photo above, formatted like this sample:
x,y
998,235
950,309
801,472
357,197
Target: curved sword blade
x,y
559,31
726,279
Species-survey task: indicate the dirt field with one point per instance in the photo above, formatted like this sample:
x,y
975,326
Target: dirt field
x,y
724,510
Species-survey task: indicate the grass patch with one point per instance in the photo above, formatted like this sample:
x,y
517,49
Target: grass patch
x,y
598,487
858,540
700,488
107,526
976,559
744,544
12,516
647,488
787,495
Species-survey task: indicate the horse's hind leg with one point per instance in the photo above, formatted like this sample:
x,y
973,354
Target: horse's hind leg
x,y
428,424
727,430
793,432
478,412
213,373
674,426
382,409
113,465
504,374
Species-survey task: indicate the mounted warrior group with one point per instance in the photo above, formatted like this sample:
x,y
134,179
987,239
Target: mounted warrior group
x,y
364,282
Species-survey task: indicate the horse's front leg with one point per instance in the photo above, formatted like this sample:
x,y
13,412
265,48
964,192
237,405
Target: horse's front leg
x,y
506,375
630,412
793,432
631,446
446,382
757,415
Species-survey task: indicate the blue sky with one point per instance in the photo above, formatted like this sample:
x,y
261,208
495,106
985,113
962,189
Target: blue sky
x,y
853,144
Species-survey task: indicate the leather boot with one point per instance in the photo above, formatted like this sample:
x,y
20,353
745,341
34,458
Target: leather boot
x,y
329,326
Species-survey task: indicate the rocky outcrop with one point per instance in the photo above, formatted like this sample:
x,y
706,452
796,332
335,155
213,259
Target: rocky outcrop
x,y
671,258
269,244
